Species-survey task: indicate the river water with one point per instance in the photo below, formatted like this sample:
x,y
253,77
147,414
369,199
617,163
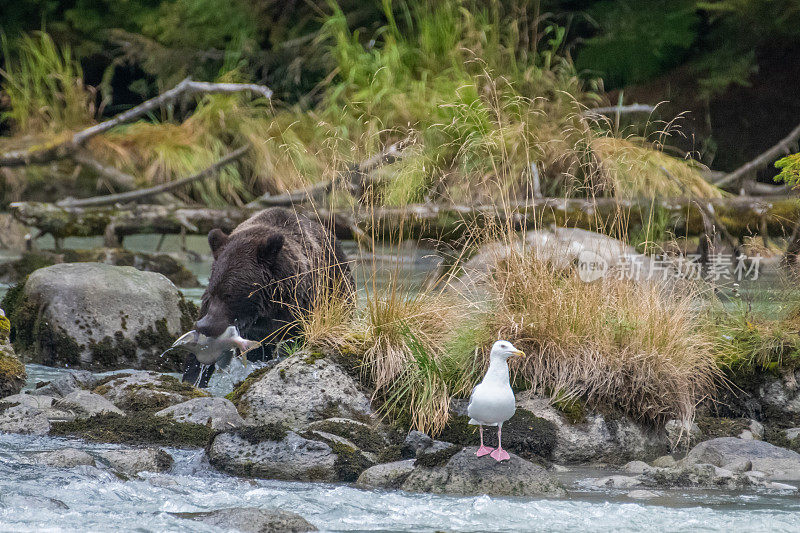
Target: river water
x,y
36,497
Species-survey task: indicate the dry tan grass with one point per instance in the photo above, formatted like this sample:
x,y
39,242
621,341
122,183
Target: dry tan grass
x,y
635,347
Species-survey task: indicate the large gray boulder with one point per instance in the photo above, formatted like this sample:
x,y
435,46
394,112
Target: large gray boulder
x,y
563,248
216,413
252,520
63,458
302,389
145,391
273,453
597,438
464,473
101,317
775,462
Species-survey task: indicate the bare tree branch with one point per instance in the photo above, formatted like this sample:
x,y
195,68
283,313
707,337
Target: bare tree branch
x,y
67,148
117,177
783,147
622,109
131,196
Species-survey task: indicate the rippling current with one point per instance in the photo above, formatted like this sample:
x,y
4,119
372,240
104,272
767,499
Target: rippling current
x,y
88,498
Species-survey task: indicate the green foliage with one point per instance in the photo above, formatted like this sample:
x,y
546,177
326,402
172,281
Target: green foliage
x,y
44,86
746,344
638,40
789,170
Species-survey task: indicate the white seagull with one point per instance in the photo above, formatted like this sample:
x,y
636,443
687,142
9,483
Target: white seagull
x,y
492,401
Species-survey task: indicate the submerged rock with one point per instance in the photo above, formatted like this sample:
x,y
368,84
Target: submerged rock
x,y
775,462
252,520
64,458
700,475
216,413
465,474
24,419
145,391
66,383
301,389
98,316
272,452
617,482
387,475
133,461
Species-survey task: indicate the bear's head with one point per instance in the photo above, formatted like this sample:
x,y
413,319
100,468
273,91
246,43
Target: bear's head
x,y
246,267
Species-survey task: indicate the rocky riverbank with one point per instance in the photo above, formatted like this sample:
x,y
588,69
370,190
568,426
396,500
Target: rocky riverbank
x,y
312,417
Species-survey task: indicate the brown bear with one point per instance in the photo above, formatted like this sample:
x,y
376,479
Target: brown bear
x,y
266,273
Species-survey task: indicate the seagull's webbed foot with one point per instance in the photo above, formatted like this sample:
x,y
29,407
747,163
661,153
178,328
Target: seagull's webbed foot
x,y
500,455
483,450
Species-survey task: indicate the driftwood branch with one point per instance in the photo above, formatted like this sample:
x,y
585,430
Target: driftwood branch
x,y
140,194
783,147
67,148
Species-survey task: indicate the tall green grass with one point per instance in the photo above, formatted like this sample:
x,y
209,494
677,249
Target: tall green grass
x,y
44,86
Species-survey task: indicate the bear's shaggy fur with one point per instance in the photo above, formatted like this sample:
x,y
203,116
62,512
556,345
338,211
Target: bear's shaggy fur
x,y
270,269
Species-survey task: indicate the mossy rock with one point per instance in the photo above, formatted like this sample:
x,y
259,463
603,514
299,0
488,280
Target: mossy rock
x,y
713,427
525,434
97,317
145,391
350,462
256,434
135,428
5,328
437,458
777,436
366,437
243,386
12,373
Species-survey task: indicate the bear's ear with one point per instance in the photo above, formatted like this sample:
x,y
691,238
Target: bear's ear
x,y
217,240
269,248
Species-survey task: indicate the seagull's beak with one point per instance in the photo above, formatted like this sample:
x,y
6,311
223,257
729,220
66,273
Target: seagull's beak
x,y
520,353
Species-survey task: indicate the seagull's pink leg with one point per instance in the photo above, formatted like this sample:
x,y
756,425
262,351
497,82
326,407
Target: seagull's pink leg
x,y
483,450
500,454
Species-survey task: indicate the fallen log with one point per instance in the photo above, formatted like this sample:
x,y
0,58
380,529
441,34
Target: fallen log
x,y
742,216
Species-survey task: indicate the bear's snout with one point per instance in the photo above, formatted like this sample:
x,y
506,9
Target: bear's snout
x,y
209,326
